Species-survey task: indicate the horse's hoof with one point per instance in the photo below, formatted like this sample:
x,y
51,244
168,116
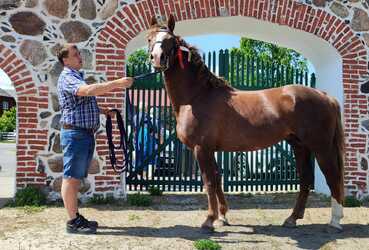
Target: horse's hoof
x,y
223,222
290,223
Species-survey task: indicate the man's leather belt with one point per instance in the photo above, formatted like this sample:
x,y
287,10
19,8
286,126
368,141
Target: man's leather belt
x,y
68,126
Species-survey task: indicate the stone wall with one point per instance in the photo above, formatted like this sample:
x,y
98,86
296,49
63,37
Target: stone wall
x,y
32,31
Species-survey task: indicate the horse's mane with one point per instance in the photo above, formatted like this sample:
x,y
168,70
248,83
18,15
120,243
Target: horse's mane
x,y
202,71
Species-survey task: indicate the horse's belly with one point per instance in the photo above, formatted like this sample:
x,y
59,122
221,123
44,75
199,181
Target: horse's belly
x,y
250,140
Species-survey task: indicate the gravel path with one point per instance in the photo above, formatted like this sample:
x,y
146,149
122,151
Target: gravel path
x,y
172,222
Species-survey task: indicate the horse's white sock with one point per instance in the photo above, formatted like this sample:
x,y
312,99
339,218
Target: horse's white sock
x,y
337,214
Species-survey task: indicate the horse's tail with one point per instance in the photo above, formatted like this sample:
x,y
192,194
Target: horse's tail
x,y
339,144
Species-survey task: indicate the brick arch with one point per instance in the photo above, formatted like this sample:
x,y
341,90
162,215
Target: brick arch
x,y
30,99
134,18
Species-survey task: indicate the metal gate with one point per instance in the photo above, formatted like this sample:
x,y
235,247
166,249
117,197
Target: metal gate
x,y
161,160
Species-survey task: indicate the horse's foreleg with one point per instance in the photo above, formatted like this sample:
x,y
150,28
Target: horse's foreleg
x,y
223,207
205,159
306,174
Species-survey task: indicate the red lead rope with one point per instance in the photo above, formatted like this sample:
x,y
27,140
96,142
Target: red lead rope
x,y
180,58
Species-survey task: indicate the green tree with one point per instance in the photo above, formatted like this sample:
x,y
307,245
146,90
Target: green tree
x,y
257,64
138,63
270,53
139,57
8,120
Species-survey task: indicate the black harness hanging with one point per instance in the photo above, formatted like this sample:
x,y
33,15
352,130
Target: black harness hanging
x,y
123,144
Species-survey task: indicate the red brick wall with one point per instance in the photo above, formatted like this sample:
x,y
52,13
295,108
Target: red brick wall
x,y
31,140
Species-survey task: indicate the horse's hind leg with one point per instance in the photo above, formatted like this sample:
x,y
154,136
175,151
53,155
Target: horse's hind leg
x,y
208,169
306,174
329,164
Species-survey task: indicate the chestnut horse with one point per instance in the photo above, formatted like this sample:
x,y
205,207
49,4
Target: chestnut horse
x,y
212,116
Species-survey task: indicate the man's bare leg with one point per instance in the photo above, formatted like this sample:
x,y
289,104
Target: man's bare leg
x,y
69,191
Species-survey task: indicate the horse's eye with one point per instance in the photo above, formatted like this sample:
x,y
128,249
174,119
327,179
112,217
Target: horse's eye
x,y
149,40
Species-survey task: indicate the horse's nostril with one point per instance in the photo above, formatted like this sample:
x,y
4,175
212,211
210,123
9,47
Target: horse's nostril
x,y
151,57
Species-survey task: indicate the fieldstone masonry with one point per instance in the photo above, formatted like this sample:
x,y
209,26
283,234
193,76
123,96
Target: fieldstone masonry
x,y
31,31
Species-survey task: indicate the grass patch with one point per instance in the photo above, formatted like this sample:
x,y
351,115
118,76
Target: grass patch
x,y
32,209
28,196
246,195
155,191
351,201
139,200
324,197
206,245
133,217
101,200
8,141
365,201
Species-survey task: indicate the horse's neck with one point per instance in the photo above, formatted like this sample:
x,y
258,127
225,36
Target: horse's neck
x,y
182,86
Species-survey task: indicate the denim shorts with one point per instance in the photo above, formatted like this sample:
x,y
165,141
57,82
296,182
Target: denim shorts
x,y
78,149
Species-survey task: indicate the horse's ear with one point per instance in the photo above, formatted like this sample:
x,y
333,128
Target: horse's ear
x,y
171,23
153,21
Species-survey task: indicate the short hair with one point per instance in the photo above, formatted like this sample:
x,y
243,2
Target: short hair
x,y
64,52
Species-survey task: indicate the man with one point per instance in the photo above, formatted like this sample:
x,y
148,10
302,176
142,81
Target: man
x,y
79,121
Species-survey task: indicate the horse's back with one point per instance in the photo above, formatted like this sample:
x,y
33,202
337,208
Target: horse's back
x,y
273,114
307,98
282,101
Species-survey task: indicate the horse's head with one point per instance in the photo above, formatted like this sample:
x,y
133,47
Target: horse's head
x,y
163,44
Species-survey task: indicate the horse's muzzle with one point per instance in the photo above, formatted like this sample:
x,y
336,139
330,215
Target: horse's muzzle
x,y
164,64
159,63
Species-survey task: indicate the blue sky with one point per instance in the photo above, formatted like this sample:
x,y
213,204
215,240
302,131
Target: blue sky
x,y
204,43
214,42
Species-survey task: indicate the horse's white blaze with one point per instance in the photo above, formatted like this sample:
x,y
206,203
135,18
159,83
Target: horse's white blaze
x,y
156,50
337,214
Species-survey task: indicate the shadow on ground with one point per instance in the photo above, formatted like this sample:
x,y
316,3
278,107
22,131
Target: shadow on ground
x,y
306,236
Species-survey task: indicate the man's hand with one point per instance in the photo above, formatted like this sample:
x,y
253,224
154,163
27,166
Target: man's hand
x,y
124,82
107,111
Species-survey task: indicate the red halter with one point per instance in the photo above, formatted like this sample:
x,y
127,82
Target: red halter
x,y
180,58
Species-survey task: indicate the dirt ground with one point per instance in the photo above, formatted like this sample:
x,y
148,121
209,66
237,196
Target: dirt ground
x,y
172,222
